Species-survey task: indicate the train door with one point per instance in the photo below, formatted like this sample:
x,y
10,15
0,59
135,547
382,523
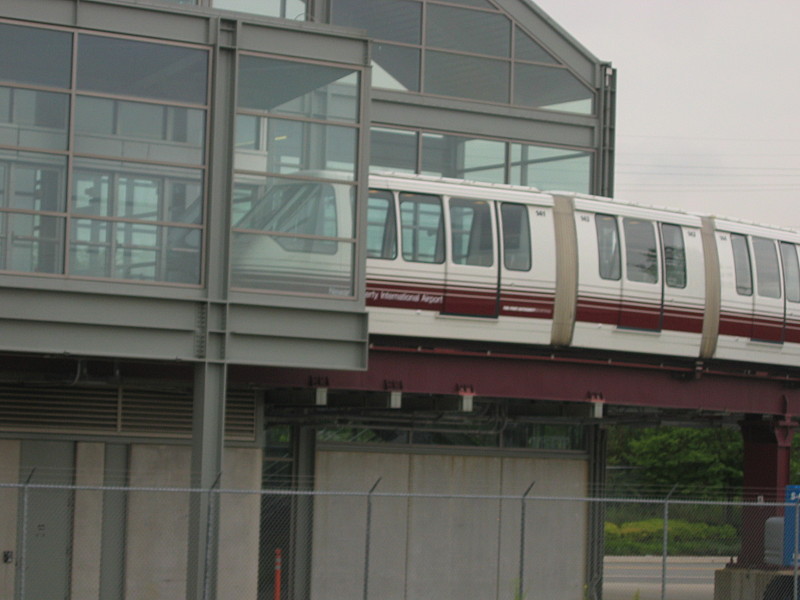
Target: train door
x,y
768,305
791,278
472,268
684,278
642,284
736,285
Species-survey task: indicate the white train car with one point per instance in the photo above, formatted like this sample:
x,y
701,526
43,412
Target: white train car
x,y
454,260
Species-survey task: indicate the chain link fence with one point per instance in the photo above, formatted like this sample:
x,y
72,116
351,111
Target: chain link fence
x,y
145,543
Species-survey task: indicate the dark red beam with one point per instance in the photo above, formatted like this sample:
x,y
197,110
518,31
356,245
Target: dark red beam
x,y
432,371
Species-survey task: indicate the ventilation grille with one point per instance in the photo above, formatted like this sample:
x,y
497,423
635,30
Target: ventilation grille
x,y
120,411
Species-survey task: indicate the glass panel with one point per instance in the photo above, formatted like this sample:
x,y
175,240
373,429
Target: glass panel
x,y
298,89
394,20
767,268
516,237
393,150
423,228
286,9
395,67
40,56
465,30
641,253
475,3
144,69
33,181
138,130
140,251
297,146
608,247
674,255
551,168
34,243
551,88
35,119
381,226
526,48
463,157
791,271
466,77
741,262
131,191
471,228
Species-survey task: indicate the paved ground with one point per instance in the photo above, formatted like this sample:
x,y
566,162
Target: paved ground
x,y
640,578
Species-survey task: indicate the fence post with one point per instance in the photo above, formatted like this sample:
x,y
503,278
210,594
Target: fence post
x,y
208,581
665,545
795,549
23,553
366,541
522,542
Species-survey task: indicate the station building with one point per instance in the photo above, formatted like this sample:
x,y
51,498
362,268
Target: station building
x,y
136,140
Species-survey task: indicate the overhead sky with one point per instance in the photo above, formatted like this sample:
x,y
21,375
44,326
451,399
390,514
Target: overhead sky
x,y
708,101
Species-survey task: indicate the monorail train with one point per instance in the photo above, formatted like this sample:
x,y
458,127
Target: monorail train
x,y
458,260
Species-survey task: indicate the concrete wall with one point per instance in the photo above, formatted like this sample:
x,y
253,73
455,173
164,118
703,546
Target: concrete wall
x,y
447,547
9,499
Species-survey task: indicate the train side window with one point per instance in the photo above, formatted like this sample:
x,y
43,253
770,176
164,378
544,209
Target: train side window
x,y
516,237
791,271
741,264
767,268
381,226
674,255
608,246
471,230
641,252
422,228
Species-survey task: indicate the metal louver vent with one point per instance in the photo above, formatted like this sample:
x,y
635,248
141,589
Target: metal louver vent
x,y
116,410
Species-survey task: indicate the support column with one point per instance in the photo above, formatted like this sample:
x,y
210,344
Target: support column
x,y
767,449
208,427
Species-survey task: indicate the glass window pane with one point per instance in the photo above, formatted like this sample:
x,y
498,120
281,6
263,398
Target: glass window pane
x,y
516,237
144,69
608,247
393,150
551,168
139,130
471,230
466,30
551,88
141,192
463,158
767,268
90,248
381,226
641,253
394,20
526,48
466,77
258,263
741,262
293,9
422,228
33,181
674,255
40,56
791,271
35,119
298,89
395,67
34,243
298,146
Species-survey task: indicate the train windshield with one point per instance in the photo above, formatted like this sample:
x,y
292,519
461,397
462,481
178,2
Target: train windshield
x,y
296,209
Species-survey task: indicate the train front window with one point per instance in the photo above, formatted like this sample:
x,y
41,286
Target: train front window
x,y
791,271
516,237
767,268
641,253
608,247
422,228
674,255
741,263
471,227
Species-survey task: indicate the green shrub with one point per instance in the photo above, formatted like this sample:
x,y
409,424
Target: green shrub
x,y
646,537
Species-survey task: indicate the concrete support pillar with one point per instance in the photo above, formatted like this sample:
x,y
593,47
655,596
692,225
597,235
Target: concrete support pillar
x,y
9,501
208,429
767,446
